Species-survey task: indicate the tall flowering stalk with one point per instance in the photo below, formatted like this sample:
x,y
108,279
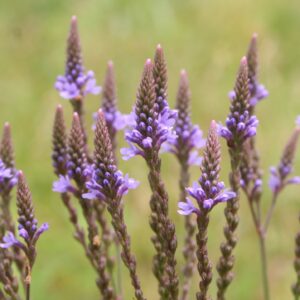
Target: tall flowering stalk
x,y
240,126
160,78
281,175
109,103
251,174
71,165
150,131
28,230
250,165
207,192
8,179
185,147
76,84
109,185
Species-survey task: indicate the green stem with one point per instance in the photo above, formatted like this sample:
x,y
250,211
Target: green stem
x,y
119,270
263,255
27,291
264,265
270,212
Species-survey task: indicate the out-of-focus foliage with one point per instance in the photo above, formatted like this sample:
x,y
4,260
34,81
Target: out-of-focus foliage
x,y
207,38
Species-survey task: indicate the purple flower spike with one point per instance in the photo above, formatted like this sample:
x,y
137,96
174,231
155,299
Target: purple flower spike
x,y
28,225
107,182
75,84
280,175
114,119
151,129
208,191
77,158
240,124
160,78
189,138
257,91
8,177
59,143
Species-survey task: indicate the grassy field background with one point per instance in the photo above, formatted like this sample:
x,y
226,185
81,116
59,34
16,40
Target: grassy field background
x,y
208,38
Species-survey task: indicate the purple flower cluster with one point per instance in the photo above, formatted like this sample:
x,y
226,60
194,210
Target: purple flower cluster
x,y
116,119
218,194
63,185
105,180
189,138
28,225
280,174
278,177
151,128
75,84
257,91
103,185
208,191
70,88
9,240
8,177
148,132
240,125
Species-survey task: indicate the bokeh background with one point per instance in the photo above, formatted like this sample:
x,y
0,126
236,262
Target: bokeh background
x,y
207,38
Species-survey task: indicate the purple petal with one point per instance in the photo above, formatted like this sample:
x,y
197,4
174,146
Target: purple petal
x,y
194,158
274,182
147,142
23,233
208,203
294,180
225,196
62,185
130,152
186,208
9,240
231,95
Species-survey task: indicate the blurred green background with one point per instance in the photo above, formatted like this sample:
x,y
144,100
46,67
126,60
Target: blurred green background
x,y
208,38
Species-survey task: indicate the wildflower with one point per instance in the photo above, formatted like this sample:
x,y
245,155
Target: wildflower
x,y
75,84
151,128
280,175
240,125
208,191
189,138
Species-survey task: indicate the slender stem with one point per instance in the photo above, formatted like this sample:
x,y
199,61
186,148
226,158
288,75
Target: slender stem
x,y
115,208
204,264
270,211
254,216
27,291
264,265
189,243
119,270
263,256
